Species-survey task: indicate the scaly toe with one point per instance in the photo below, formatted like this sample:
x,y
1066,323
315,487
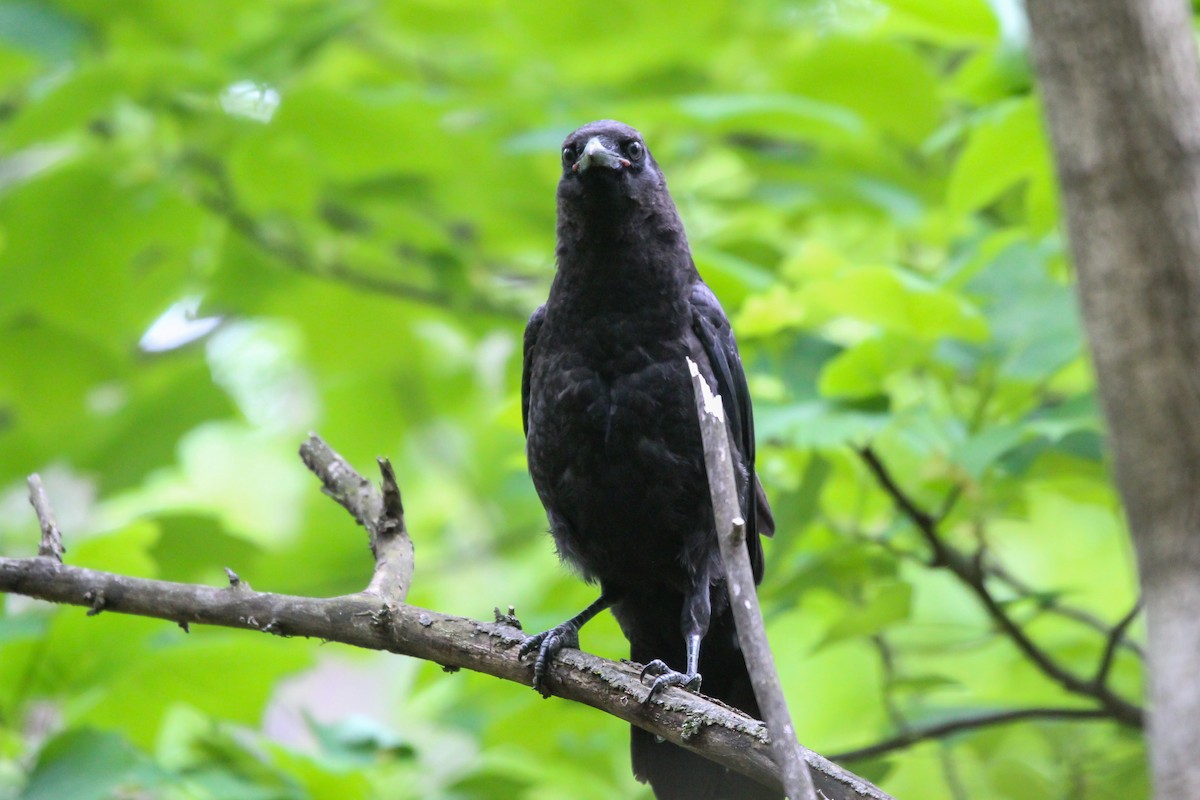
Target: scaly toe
x,y
656,667
671,678
531,643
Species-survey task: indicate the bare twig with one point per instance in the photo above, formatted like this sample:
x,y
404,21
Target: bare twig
x,y
1114,638
743,599
948,504
943,729
1048,605
235,580
1064,610
381,622
51,545
382,514
887,660
390,542
970,572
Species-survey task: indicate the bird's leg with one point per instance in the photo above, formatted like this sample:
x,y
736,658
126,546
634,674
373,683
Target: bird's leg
x,y
548,643
697,610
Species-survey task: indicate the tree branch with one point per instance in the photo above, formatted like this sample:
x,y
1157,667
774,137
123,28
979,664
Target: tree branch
x,y
381,514
743,598
376,620
942,730
1114,638
51,545
969,570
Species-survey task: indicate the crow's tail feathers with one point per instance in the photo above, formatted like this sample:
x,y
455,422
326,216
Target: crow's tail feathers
x,y
676,774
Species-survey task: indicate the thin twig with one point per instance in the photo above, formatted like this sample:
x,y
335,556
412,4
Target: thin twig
x,y
943,729
51,545
952,498
1048,605
390,542
381,513
950,773
969,571
887,660
1110,646
235,581
743,599
1064,610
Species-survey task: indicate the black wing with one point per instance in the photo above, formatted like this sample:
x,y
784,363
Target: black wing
x,y
716,337
531,334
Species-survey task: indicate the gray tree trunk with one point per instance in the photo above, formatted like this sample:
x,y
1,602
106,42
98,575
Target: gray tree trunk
x,y
1121,87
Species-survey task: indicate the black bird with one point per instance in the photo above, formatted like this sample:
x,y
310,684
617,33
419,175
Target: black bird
x,y
614,444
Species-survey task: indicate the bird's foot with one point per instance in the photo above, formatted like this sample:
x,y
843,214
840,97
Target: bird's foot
x,y
664,676
548,644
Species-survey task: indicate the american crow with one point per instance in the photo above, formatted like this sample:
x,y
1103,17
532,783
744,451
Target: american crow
x,y
614,444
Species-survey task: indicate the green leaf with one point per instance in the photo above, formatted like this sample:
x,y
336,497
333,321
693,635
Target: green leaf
x,y
223,761
781,114
41,29
955,21
1006,147
85,94
47,374
316,124
1034,321
170,394
359,740
322,782
815,424
808,498
274,173
131,258
730,277
1058,421
896,301
884,82
889,603
195,669
15,66
123,551
21,628
88,765
772,311
979,452
863,370
191,548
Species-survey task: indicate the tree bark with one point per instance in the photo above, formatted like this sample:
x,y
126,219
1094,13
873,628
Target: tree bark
x,y
1121,86
743,597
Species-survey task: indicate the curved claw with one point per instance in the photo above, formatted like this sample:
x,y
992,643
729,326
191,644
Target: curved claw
x,y
664,677
548,644
656,667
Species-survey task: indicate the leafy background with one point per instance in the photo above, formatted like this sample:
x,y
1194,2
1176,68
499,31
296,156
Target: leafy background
x,y
223,224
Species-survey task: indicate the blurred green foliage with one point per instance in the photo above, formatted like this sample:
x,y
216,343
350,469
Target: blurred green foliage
x,y
225,223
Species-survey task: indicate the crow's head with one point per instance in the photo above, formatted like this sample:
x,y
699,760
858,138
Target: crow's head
x,y
608,170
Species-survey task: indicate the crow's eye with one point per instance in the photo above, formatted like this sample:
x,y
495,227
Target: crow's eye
x,y
568,155
635,150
